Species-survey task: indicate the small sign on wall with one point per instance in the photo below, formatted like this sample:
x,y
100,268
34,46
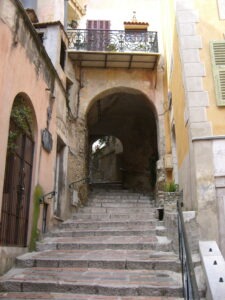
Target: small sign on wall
x,y
46,138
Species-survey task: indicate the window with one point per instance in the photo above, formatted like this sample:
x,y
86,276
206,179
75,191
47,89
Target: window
x,y
218,65
41,36
62,55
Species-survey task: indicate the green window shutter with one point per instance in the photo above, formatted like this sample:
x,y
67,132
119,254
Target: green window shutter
x,y
218,65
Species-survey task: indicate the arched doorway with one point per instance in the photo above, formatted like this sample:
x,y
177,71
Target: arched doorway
x,y
18,174
131,118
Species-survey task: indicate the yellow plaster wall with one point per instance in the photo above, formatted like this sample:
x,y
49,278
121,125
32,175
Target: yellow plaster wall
x,y
168,20
178,96
211,28
174,82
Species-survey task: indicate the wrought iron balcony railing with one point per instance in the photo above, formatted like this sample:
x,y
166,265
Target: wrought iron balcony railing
x,y
113,40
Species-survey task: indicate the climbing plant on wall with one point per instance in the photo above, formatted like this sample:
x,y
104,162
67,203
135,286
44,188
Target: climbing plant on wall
x,y
20,122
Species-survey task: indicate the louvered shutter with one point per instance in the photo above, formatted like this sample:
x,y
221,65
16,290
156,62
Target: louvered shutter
x,y
90,24
97,40
98,24
218,64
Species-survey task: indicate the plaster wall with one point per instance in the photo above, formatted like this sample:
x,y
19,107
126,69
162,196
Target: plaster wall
x,y
219,173
50,11
186,184
14,81
24,70
101,82
52,43
196,101
53,36
210,28
205,190
179,106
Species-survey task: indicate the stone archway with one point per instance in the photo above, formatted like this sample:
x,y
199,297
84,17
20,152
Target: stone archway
x,y
129,116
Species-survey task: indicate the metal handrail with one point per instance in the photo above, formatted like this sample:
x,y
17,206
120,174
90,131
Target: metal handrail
x,y
112,40
85,179
190,288
50,195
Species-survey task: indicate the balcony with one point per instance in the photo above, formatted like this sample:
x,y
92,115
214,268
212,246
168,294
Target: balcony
x,y
113,48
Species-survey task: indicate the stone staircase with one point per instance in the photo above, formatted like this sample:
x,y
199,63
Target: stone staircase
x,y
112,249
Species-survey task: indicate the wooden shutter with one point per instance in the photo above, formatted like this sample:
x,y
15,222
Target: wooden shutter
x,y
218,65
89,24
98,24
97,35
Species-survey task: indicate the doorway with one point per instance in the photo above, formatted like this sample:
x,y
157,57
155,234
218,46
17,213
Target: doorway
x,y
18,176
59,177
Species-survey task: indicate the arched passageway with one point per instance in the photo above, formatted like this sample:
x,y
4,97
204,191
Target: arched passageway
x,y
106,160
130,117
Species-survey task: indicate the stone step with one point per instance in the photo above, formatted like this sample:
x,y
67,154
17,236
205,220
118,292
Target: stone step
x,y
105,259
112,231
116,192
81,224
114,199
123,205
116,209
161,230
67,296
106,242
112,249
107,186
119,193
113,216
124,196
93,281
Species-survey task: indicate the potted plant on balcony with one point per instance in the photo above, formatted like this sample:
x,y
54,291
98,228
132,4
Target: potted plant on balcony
x,y
111,47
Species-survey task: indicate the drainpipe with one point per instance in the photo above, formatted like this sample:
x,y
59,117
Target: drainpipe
x,y
80,86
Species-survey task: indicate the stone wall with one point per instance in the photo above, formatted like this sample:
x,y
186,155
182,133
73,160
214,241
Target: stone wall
x,y
169,203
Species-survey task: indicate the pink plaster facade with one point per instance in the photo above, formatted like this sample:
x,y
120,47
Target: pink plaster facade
x,y
23,70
